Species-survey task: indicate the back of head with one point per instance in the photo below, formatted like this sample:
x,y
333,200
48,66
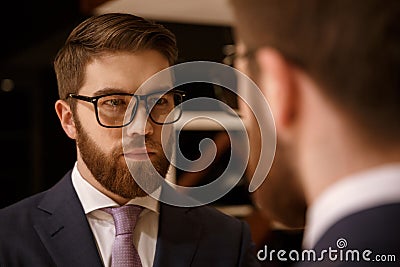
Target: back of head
x,y
351,49
108,33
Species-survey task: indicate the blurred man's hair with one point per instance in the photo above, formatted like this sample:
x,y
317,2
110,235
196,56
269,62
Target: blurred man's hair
x,y
351,49
108,33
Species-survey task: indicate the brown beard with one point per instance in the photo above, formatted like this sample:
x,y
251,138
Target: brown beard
x,y
112,172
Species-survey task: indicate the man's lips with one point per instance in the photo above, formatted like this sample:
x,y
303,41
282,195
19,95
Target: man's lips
x,y
138,154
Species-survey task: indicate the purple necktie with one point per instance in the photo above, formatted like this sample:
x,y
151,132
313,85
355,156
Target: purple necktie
x,y
124,252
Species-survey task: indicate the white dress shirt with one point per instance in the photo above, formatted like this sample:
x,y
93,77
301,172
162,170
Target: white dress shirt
x,y
363,190
102,223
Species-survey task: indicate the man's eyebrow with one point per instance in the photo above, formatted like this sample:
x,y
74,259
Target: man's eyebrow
x,y
159,88
165,87
109,90
106,91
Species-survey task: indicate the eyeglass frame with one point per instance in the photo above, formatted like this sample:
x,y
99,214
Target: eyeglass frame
x,y
94,100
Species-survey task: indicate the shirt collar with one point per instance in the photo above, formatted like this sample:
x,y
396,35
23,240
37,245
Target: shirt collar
x,y
92,199
370,188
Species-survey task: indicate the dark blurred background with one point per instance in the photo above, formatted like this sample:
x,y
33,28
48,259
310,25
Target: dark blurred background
x,y
35,151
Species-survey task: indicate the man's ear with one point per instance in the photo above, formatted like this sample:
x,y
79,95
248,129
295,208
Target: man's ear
x,y
277,80
64,113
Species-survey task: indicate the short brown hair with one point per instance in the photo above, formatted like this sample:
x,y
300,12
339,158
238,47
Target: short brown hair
x,y
350,48
111,32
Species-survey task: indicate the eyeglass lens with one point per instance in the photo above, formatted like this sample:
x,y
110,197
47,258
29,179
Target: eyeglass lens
x,y
112,109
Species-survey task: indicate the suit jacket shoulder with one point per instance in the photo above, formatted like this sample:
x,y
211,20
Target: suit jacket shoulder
x,y
375,229
47,229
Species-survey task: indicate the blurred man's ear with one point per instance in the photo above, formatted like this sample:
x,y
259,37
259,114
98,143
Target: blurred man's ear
x,y
277,80
64,113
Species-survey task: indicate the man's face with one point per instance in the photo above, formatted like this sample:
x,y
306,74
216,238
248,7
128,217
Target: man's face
x,y
280,196
100,148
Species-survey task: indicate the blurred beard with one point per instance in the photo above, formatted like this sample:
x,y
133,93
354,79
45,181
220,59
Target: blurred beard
x,y
281,196
113,173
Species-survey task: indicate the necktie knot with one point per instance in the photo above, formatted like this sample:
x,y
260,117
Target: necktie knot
x,y
125,218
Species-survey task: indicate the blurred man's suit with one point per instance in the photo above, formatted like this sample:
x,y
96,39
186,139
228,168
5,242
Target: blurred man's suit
x,y
361,213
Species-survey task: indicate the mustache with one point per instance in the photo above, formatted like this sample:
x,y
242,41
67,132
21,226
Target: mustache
x,y
140,142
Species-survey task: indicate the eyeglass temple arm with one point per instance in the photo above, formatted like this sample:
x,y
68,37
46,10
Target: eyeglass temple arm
x,y
81,97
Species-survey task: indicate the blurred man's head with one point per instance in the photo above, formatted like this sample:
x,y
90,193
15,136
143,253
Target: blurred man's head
x,y
281,177
329,70
350,49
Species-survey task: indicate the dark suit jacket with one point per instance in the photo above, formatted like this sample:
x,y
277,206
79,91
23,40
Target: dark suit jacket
x,y
51,229
376,229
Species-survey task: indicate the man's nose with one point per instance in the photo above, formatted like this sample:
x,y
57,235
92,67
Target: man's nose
x,y
141,122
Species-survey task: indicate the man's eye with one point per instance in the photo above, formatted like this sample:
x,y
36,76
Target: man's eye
x,y
114,102
157,101
161,101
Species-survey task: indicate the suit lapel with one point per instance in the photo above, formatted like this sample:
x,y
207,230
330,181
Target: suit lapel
x,y
63,227
178,236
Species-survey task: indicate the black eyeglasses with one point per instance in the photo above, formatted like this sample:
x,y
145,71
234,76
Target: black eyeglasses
x,y
111,109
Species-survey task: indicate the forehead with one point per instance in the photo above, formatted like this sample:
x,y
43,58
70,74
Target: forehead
x,y
126,72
